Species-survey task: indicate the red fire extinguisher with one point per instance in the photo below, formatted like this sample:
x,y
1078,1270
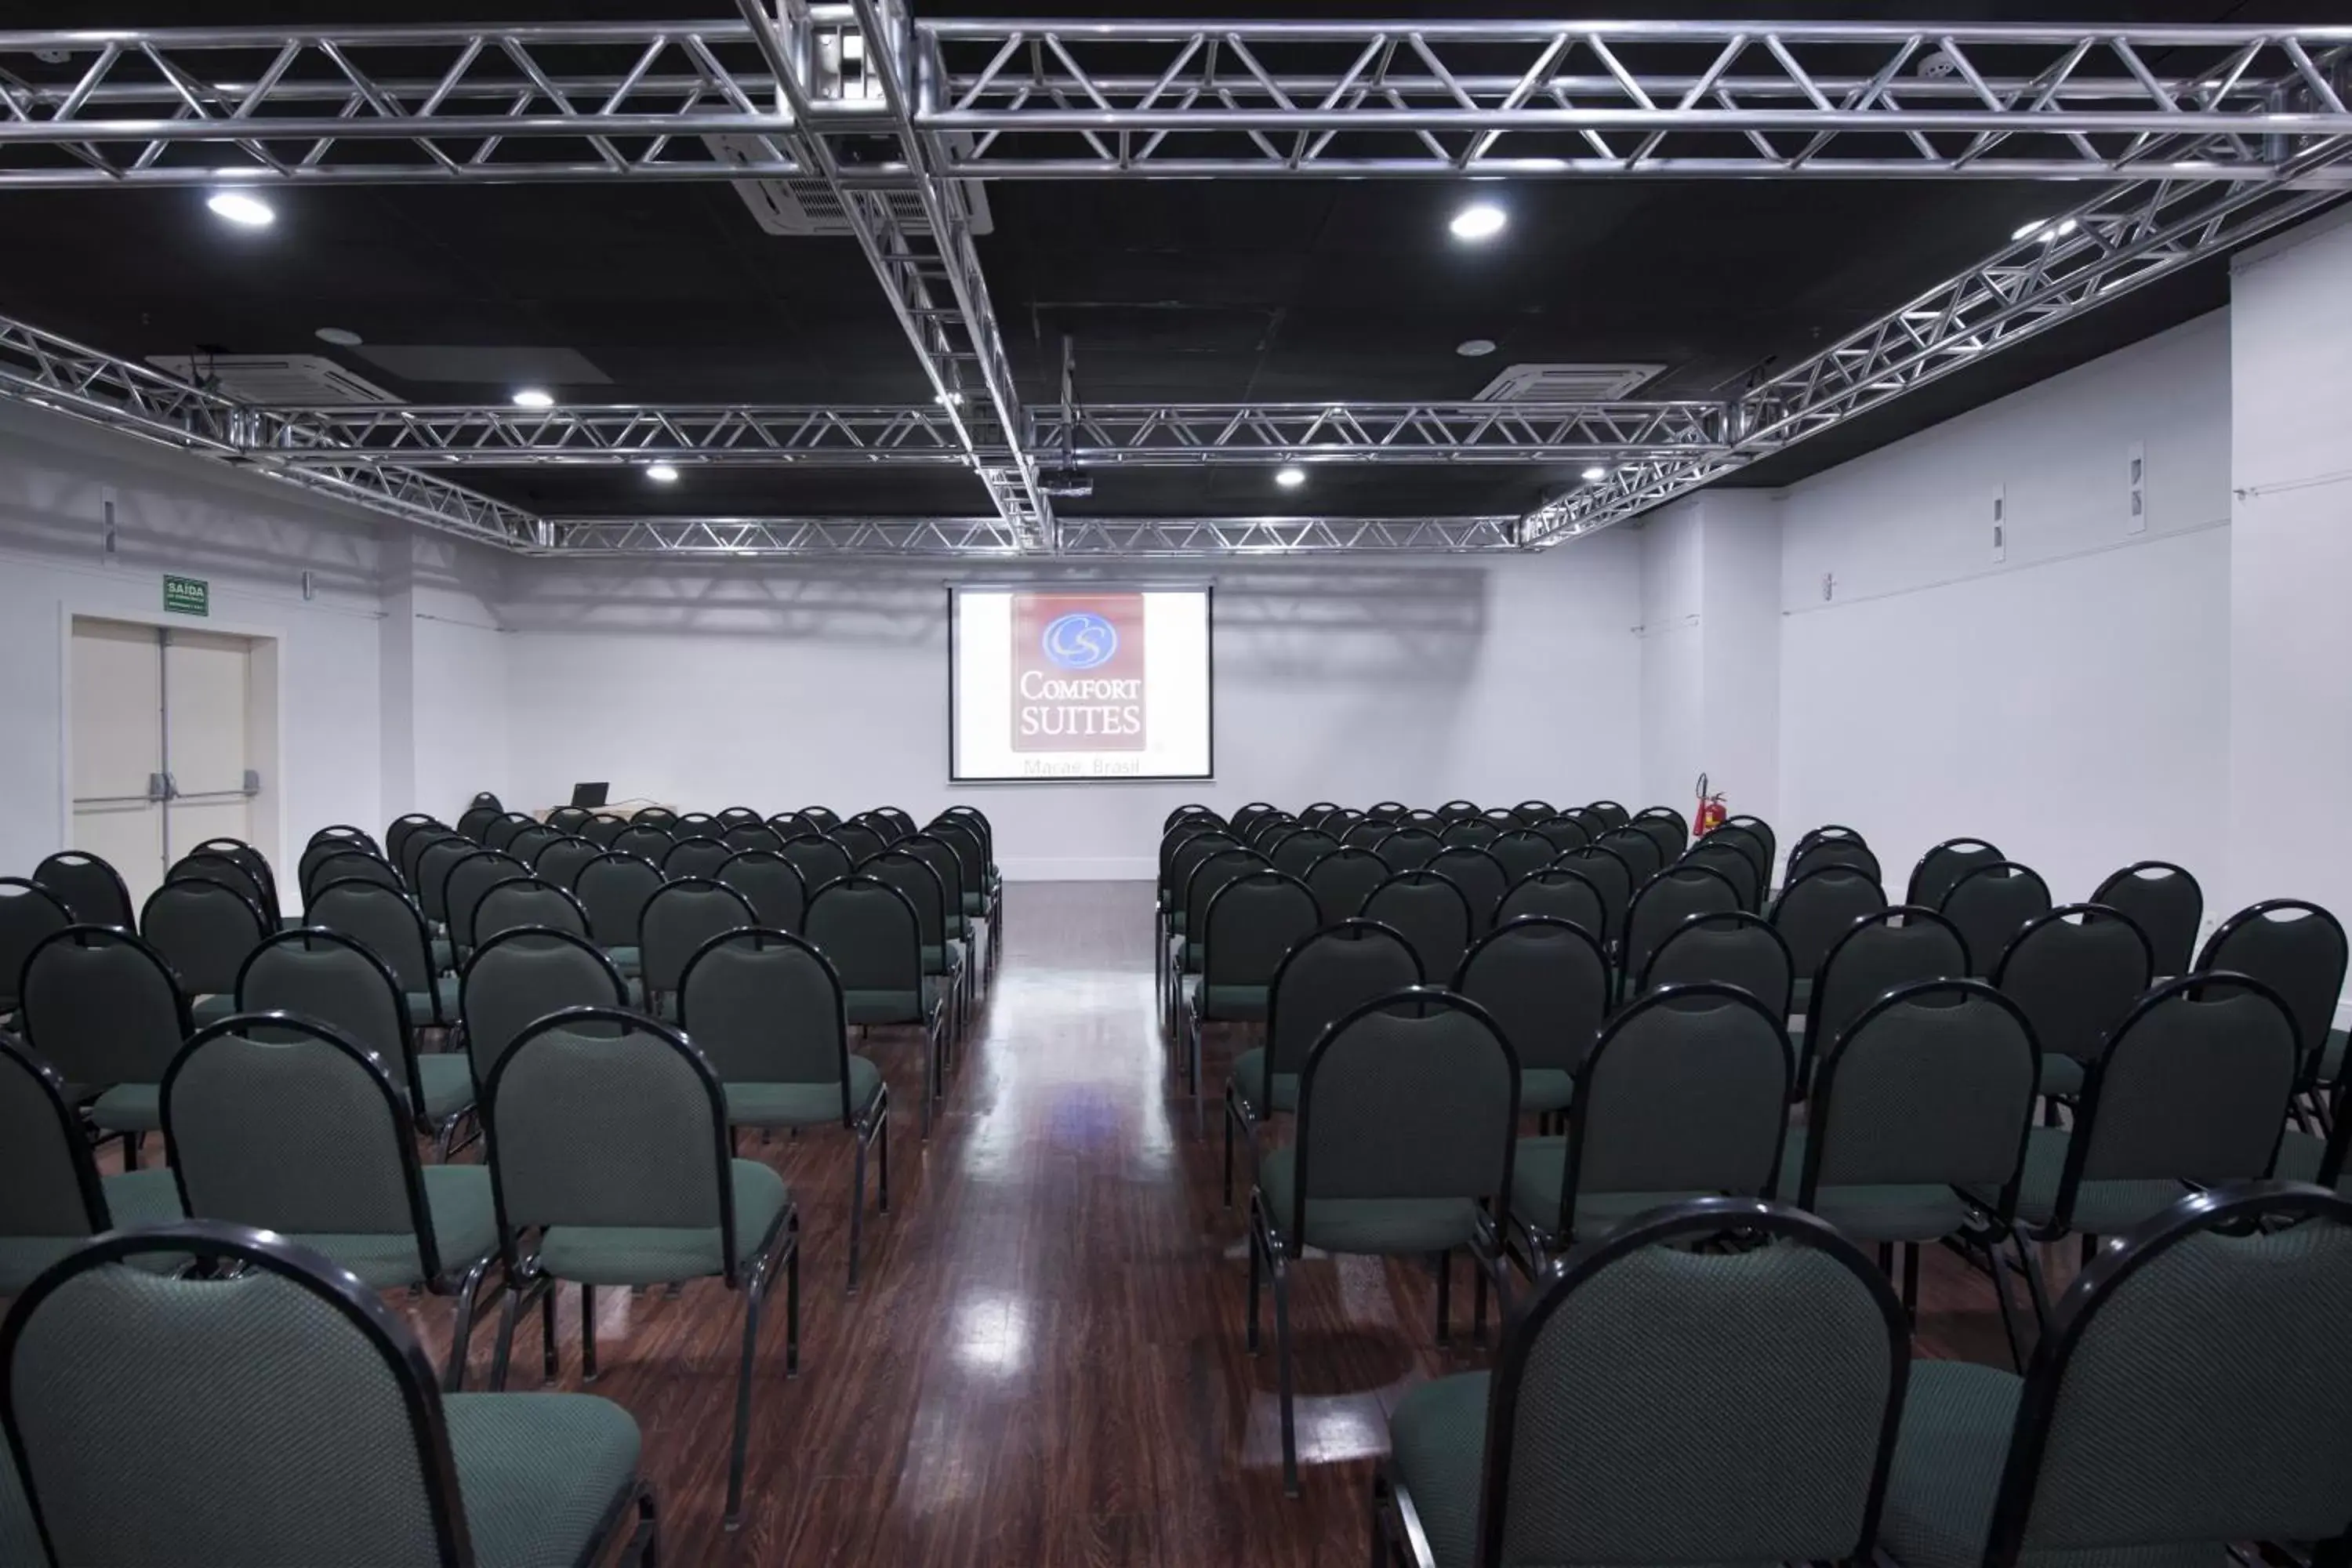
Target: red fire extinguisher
x,y
1710,813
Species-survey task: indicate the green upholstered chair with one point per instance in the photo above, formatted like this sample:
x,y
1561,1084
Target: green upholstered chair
x,y
1607,871
870,934
2315,1161
87,886
561,861
1924,1098
104,1008
1479,876
475,821
614,888
1545,982
52,1198
1342,880
1429,912
1639,850
2193,1089
1989,904
468,883
648,841
983,895
1756,1422
404,843
945,959
508,827
288,1124
677,919
1320,980
1663,902
339,864
602,827
1735,861
2190,1394
1202,878
610,1158
1527,813
1945,864
203,928
1407,1106
234,862
429,880
2298,950
1683,1095
1475,833
519,977
1758,829
819,860
1876,953
1521,852
530,844
2075,972
401,830
752,835
1564,832
766,1011
1249,928
527,901
335,979
1734,947
273,1411
1408,848
1663,826
769,885
1834,845
694,857
937,849
388,923
2165,901
1556,892
1295,852
653,815
1813,911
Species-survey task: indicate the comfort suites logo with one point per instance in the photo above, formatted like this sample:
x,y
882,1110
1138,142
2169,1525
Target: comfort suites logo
x,y
1077,672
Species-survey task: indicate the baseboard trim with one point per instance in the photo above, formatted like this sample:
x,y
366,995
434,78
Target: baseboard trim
x,y
1050,869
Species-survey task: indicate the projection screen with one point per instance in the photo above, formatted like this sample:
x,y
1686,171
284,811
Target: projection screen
x,y
1067,685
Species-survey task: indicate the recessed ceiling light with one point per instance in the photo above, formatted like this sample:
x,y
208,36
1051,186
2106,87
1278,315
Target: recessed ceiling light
x,y
238,207
342,337
1479,220
533,398
1474,348
1291,478
1595,475
2042,228
949,399
662,474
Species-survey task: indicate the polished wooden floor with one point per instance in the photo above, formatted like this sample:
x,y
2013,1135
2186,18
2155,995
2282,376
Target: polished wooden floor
x,y
1044,1366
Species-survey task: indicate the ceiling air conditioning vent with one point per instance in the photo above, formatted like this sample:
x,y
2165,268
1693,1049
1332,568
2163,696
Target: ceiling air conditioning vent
x,y
1566,382
806,206
274,381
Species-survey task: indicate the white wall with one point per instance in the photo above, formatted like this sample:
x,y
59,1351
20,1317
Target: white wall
x,y
779,685
445,677
251,539
1674,655
2070,704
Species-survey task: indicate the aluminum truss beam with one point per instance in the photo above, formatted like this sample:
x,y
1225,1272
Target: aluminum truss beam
x,y
1091,100
2126,237
1179,537
1157,434
1095,100
417,435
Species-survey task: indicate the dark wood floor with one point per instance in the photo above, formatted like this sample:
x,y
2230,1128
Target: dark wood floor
x,y
1045,1365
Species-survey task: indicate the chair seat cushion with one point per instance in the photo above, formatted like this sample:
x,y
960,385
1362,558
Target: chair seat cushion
x,y
1385,1226
629,961
945,959
539,1473
1249,1078
211,1009
801,1104
2331,1055
447,1079
130,1108
445,953
659,1255
1540,1168
464,1228
1230,1003
1545,1088
1876,1211
420,1003
1437,1453
2061,1076
2101,1208
1956,1421
2299,1155
892,1006
133,1198
975,903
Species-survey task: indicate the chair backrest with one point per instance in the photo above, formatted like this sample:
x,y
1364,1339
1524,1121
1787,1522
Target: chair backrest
x,y
1734,947
1751,836
1878,953
1735,864
103,1006
1758,1424
1990,903
1758,829
764,1007
429,877
870,934
1343,880
1410,1095
2297,950
285,1123
695,857
1407,849
1367,831
649,841
695,825
937,853
271,1409
819,861
1458,811
1546,985
1609,814
1932,1085
1823,905
859,839
1520,852
87,886
402,829
1209,875
1556,892
384,921
1613,879
769,885
1295,853
48,1181
1686,1091
1326,976
28,913
1665,826
502,830
1480,877
2165,901
1527,813
331,977
659,817
527,901
613,889
475,821
1666,900
1387,811
519,977
970,852
215,867
1429,912
468,881
250,862
560,860
1251,925
1640,852
602,828
568,820
204,928
339,865
2193,1086
529,844
1476,832
1945,864
1844,848
679,918
2077,973
1564,833
2191,1389
738,816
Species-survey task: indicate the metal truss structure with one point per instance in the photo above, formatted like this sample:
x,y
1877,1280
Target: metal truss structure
x,y
2208,135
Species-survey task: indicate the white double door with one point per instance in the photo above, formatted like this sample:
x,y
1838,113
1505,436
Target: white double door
x,y
164,723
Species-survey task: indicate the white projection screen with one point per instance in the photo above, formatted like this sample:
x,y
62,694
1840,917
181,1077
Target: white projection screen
x,y
1072,684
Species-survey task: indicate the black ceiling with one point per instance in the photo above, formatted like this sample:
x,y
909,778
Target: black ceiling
x,y
1204,291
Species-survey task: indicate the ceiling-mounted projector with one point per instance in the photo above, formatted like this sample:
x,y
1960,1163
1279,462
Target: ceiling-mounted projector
x,y
1066,484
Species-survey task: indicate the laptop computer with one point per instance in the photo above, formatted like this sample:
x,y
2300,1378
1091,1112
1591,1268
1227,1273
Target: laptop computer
x,y
590,796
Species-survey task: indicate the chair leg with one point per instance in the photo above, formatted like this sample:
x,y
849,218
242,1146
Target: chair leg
x,y
461,1327
587,1330
1193,1054
504,1350
648,1537
547,1331
2039,1293
1282,1359
1443,1261
793,1300
882,1152
1999,1272
752,1294
1479,1279
1251,1340
856,1206
1382,1557
1231,1113
930,1075
1911,1281
131,1141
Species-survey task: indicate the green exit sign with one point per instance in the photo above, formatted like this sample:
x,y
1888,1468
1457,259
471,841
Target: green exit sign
x,y
187,595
